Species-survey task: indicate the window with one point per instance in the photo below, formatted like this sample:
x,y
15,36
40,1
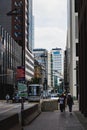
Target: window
x,y
76,5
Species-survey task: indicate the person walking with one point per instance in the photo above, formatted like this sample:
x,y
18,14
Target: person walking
x,y
62,103
7,97
70,102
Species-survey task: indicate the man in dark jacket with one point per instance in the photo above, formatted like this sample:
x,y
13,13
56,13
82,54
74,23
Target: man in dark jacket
x,y
62,103
70,102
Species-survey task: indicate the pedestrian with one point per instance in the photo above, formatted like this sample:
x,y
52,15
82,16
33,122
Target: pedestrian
x,y
64,103
7,97
70,102
61,102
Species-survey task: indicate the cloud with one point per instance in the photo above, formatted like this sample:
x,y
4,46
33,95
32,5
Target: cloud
x,y
53,11
49,6
49,38
50,23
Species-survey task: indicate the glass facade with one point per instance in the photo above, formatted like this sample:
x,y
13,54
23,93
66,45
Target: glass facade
x,y
19,26
30,26
41,55
56,65
10,53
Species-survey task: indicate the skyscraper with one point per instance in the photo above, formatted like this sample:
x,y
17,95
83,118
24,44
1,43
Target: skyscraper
x,y
16,18
57,59
56,65
10,53
41,56
72,45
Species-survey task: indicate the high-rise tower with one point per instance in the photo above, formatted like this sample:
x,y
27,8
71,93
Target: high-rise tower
x,y
16,18
56,65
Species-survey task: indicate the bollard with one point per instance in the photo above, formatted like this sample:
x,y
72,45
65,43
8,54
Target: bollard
x,y
22,108
22,104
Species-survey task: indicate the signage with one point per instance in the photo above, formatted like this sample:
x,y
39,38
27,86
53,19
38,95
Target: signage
x,y
56,53
20,73
22,87
22,90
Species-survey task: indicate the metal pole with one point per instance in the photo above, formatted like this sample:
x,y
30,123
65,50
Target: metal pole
x,y
14,80
22,104
22,108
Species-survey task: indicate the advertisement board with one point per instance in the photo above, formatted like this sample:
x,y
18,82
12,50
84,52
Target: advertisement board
x,y
22,90
20,76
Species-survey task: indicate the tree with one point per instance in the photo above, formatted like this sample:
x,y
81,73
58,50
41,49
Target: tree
x,y
34,81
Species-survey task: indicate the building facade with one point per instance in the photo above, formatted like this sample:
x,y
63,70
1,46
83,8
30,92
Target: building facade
x,y
56,66
65,72
82,13
10,53
18,13
49,71
41,55
39,72
5,21
72,43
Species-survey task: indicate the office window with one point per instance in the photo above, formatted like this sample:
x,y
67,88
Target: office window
x,y
76,5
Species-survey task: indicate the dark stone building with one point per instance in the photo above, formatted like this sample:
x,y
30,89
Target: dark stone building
x,y
82,12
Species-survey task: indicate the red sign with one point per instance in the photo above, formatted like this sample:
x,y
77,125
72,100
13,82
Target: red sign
x,y
20,73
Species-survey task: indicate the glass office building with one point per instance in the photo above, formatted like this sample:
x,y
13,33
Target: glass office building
x,y
10,53
56,66
16,18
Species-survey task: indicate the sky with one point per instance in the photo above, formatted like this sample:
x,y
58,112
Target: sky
x,y
50,23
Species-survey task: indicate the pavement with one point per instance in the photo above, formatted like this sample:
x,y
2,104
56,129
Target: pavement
x,y
59,121
8,109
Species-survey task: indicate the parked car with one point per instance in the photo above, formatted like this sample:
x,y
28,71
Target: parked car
x,y
54,96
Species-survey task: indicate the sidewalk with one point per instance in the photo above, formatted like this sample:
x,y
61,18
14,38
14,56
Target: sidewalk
x,y
57,120
82,119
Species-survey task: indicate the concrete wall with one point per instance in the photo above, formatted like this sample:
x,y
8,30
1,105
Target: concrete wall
x,y
17,121
49,105
10,123
30,114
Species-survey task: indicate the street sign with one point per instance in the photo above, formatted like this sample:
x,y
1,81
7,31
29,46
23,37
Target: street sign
x,y
20,76
22,90
22,87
